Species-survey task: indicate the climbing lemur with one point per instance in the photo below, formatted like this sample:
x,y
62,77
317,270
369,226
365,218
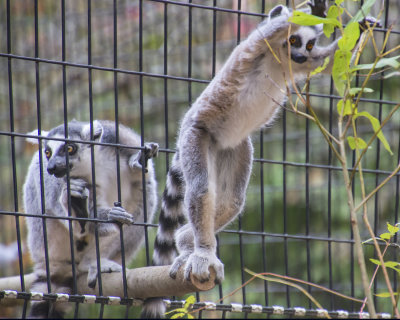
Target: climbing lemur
x,y
210,170
48,192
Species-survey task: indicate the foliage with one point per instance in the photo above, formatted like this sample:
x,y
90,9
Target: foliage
x,y
345,68
183,313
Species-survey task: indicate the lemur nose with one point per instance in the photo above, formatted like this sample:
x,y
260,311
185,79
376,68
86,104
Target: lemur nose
x,y
298,58
56,170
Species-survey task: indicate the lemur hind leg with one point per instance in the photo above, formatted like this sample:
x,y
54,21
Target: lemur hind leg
x,y
227,183
234,168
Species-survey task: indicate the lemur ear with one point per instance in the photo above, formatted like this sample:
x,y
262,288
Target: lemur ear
x,y
97,131
35,132
276,11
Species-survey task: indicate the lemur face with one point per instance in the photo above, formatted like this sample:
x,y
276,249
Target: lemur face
x,y
56,154
63,156
301,44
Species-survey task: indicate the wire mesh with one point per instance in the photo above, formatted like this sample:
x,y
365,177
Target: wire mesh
x,y
141,63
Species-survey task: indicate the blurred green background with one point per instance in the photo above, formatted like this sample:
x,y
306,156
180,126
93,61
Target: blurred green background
x,y
287,195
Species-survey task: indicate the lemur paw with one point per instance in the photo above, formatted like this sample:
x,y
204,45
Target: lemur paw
x,y
107,266
318,8
78,188
198,264
177,264
150,151
118,214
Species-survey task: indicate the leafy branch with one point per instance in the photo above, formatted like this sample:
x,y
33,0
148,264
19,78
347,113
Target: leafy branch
x,y
344,69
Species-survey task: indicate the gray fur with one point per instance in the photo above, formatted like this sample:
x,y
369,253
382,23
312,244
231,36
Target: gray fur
x,y
210,171
214,151
81,192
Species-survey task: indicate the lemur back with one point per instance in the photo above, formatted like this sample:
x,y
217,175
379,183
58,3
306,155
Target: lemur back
x,y
55,169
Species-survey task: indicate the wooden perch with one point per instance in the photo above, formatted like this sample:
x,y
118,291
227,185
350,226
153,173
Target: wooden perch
x,y
141,283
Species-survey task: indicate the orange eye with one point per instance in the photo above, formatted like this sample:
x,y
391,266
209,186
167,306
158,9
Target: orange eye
x,y
292,40
71,149
47,153
310,46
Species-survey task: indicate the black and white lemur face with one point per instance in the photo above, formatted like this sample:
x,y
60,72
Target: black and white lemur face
x,y
79,154
302,44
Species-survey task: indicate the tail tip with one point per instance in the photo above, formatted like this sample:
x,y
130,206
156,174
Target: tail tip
x,y
153,308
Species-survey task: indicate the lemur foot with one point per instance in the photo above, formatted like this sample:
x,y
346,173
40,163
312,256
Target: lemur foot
x,y
107,266
118,214
177,264
150,151
198,264
78,188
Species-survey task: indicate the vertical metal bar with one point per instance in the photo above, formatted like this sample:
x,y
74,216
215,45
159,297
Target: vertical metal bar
x,y
13,157
284,187
117,150
142,129
352,256
65,108
239,7
263,244
166,128
307,199
213,70
330,271
190,53
92,158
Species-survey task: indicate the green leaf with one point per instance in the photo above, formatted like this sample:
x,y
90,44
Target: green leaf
x,y
392,264
305,19
190,316
392,229
368,240
320,68
348,109
388,264
385,294
341,64
177,310
386,236
333,13
354,91
338,2
364,11
384,62
178,315
392,74
350,36
377,262
376,126
356,143
189,301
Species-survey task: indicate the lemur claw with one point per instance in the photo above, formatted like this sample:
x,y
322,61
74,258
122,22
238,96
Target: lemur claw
x,y
199,263
150,151
119,214
78,188
177,264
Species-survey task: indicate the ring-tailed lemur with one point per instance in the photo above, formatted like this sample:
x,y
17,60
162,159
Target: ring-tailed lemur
x,y
54,184
210,171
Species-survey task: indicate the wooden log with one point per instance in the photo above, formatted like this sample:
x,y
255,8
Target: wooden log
x,y
142,283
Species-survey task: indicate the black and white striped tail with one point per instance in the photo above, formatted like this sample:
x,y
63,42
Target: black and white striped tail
x,y
171,218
